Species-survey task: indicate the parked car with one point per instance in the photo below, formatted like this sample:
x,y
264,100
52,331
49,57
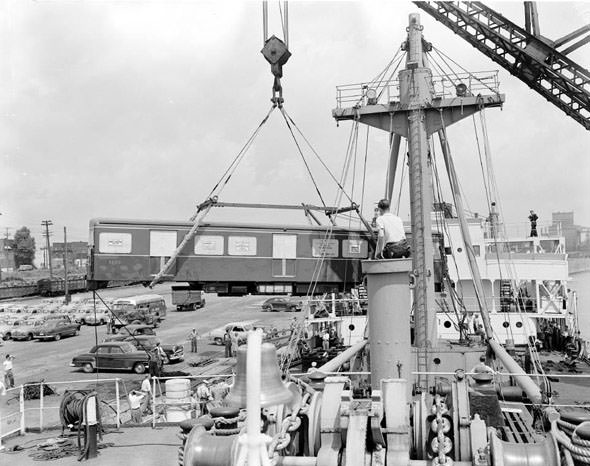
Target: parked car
x,y
7,327
120,355
240,329
54,329
101,317
26,331
282,304
132,330
174,353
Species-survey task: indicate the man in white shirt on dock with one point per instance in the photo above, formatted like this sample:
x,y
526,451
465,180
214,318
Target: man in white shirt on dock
x,y
391,240
146,389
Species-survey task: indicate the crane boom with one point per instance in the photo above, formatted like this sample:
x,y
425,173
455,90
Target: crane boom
x,y
533,59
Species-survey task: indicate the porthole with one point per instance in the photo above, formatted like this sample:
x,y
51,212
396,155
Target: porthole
x,y
447,324
436,361
351,327
459,249
506,324
518,324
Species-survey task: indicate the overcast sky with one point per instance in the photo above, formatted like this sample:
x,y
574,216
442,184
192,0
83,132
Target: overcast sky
x,y
134,109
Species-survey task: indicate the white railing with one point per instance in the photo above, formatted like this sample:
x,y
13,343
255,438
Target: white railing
x,y
385,92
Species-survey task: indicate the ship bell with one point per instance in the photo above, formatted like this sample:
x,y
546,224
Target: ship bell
x,y
273,390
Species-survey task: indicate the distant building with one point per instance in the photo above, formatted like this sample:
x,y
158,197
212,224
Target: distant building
x,y
563,224
77,254
7,255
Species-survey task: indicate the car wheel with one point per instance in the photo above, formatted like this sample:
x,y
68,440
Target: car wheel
x,y
195,306
218,341
138,368
292,308
8,336
83,321
102,322
57,337
135,322
178,308
88,368
29,337
76,332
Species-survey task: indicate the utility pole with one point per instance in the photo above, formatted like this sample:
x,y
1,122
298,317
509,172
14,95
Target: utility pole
x,y
66,291
47,234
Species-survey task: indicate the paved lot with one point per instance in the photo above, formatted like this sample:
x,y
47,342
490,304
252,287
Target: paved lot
x,y
36,360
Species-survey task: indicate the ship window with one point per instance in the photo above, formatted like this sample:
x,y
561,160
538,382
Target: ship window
x,y
241,246
162,243
351,327
324,247
459,249
447,324
518,324
207,245
436,361
506,324
114,243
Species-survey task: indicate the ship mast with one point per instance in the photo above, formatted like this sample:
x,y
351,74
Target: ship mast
x,y
418,114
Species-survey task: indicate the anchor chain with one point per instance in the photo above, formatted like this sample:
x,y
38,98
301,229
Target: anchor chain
x,y
290,424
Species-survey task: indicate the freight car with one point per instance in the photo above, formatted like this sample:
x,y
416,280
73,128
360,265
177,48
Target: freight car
x,y
56,286
229,258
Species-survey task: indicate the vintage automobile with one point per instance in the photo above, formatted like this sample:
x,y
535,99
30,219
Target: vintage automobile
x,y
54,329
174,353
131,330
27,329
239,329
117,355
282,304
101,317
8,325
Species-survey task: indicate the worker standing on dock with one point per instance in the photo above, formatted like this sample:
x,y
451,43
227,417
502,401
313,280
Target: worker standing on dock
x,y
391,240
193,336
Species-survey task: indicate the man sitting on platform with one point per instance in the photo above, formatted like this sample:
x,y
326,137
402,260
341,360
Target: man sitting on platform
x,y
391,241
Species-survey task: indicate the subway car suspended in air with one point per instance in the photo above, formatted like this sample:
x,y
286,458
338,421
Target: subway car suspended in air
x,y
230,258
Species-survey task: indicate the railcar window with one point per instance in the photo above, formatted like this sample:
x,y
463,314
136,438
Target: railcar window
x,y
284,246
208,245
355,248
241,245
324,247
114,243
162,243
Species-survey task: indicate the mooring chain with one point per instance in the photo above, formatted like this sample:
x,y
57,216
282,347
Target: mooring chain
x,y
442,444
282,439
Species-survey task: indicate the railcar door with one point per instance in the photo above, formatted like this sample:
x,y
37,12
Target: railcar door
x,y
284,255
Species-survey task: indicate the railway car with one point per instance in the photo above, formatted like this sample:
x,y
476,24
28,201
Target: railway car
x,y
229,258
56,286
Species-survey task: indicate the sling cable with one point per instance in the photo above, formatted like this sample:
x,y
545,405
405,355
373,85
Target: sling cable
x,y
276,53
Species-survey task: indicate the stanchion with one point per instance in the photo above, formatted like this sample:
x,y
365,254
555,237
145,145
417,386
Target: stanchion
x,y
41,402
21,407
118,403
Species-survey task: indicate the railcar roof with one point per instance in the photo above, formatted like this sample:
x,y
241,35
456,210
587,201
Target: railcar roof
x,y
186,224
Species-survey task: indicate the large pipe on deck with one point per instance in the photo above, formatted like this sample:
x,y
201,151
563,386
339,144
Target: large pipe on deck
x,y
334,364
524,381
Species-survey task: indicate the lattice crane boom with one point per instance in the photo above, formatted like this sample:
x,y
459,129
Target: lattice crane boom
x,y
533,59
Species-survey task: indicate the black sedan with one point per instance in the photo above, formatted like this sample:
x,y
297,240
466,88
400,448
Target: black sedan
x,y
55,329
113,355
174,353
281,304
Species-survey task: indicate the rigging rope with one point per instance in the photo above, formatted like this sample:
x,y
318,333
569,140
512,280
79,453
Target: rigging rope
x,y
303,157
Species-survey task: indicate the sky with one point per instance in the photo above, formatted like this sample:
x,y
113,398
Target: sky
x,y
134,109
